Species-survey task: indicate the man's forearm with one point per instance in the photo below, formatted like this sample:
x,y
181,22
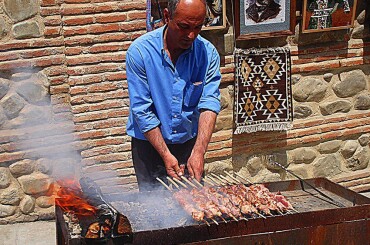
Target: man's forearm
x,y
155,138
207,121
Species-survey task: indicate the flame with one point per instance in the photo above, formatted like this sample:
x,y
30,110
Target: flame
x,y
70,199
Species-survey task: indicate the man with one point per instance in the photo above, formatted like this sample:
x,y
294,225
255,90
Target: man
x,y
173,77
263,10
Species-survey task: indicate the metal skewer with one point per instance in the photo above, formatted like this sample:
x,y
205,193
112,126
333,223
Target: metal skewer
x,y
205,221
215,181
313,187
164,184
214,221
208,182
232,216
197,182
219,178
230,181
232,177
179,182
244,178
173,182
187,181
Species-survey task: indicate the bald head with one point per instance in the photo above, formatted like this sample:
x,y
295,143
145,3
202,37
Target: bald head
x,y
190,4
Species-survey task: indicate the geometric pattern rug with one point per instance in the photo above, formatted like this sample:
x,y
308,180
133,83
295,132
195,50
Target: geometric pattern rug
x,y
263,97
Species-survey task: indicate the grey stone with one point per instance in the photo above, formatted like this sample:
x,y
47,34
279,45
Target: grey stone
x,y
22,167
327,166
364,139
302,155
295,79
332,107
225,98
266,176
45,201
280,157
219,167
36,183
362,102
4,87
349,148
41,78
327,76
35,115
254,165
43,165
27,204
309,89
361,17
20,76
6,210
303,171
351,83
4,29
33,93
224,121
10,195
27,29
329,147
359,160
5,178
302,111
360,32
46,213
21,9
12,105
3,117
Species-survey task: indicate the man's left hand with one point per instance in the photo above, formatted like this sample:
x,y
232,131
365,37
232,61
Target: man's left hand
x,y
196,165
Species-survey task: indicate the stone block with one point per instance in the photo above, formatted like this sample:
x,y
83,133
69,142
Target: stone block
x,y
302,155
12,105
27,29
362,102
332,107
302,111
309,89
329,147
350,84
35,183
5,178
364,139
349,148
11,195
4,87
21,9
33,93
27,205
327,166
7,210
23,167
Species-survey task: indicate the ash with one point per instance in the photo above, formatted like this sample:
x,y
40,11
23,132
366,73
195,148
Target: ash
x,y
74,228
153,211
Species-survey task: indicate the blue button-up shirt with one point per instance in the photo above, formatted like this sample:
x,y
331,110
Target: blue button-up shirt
x,y
167,95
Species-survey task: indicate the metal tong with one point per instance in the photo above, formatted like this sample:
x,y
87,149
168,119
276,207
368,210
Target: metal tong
x,y
313,187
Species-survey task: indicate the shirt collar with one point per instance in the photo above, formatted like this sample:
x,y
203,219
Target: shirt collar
x,y
161,33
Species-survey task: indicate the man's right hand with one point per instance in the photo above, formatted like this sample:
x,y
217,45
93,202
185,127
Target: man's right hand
x,y
172,166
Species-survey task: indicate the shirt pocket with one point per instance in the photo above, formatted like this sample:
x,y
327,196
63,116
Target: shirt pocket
x,y
193,93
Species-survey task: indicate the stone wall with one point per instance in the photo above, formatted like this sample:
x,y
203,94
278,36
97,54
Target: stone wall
x,y
64,103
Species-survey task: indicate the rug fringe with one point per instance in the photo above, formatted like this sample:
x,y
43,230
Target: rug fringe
x,y
275,126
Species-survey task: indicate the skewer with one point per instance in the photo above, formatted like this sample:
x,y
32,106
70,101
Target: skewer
x,y
208,182
216,181
197,182
173,182
232,216
179,182
187,181
230,182
232,177
262,216
219,178
164,184
205,221
214,221
224,220
244,178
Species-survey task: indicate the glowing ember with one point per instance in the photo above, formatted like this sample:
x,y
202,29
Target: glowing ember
x,y
70,199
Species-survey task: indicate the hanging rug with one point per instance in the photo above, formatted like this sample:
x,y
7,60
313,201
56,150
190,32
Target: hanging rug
x,y
263,100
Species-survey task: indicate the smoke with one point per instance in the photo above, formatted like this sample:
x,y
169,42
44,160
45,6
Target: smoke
x,y
31,127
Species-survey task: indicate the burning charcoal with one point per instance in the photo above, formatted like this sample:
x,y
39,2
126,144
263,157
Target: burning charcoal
x,y
93,231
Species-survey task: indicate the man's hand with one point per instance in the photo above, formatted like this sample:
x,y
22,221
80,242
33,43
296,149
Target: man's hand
x,y
172,166
173,169
196,165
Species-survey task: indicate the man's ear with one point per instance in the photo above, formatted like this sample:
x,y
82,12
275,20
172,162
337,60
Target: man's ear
x,y
166,15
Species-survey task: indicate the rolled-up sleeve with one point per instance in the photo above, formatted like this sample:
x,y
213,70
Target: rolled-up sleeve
x,y
141,103
210,99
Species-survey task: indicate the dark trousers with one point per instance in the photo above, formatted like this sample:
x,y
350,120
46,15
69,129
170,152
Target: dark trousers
x,y
149,165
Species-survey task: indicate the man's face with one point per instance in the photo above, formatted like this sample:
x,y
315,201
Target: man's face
x,y
186,23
